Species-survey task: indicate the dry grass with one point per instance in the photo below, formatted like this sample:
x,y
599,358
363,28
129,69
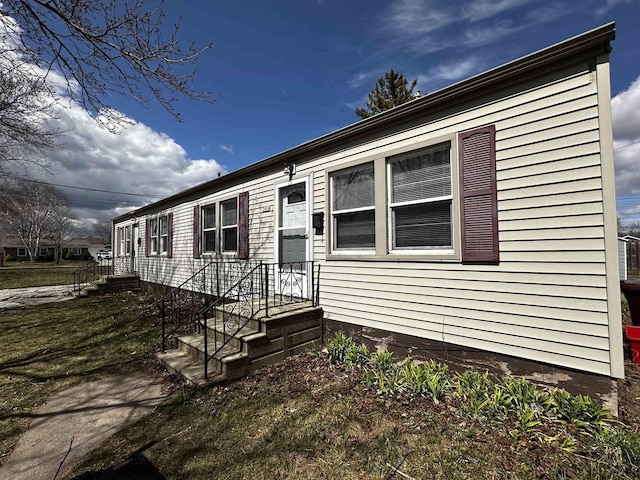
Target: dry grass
x,y
48,348
37,275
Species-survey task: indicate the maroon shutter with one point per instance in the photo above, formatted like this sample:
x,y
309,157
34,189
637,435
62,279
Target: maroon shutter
x,y
147,237
119,232
243,225
170,235
196,231
478,197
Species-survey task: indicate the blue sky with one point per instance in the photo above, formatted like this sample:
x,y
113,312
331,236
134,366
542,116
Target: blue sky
x,y
285,72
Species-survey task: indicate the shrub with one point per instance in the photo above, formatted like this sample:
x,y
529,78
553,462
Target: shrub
x,y
85,255
69,255
9,258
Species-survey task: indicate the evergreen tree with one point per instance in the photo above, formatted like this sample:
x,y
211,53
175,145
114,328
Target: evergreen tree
x,y
390,91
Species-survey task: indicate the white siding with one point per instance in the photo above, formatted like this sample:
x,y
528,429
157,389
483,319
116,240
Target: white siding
x,y
547,300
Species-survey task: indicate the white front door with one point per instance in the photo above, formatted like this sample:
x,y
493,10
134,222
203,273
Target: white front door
x,y
292,241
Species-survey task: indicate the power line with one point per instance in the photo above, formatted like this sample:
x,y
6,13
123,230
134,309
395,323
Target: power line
x,y
627,145
83,188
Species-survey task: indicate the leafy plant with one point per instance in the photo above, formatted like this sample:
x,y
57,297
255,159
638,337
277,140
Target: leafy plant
x,y
382,361
527,422
357,356
338,347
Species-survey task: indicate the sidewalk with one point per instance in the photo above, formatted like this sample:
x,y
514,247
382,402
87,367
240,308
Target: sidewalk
x,y
74,422
19,297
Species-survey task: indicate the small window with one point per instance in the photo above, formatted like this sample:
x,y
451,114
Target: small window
x,y
22,252
209,229
420,200
44,251
127,240
164,234
353,208
229,227
153,235
121,241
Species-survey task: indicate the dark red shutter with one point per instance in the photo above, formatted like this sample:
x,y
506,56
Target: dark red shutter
x,y
170,235
196,231
119,231
147,237
243,225
478,197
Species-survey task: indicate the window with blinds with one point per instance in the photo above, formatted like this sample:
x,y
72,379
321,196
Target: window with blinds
x,y
209,229
353,208
420,199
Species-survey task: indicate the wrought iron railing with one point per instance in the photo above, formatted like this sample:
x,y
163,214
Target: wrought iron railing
x,y
180,307
90,272
264,289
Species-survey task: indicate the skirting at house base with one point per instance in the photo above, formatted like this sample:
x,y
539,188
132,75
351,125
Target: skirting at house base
x,y
459,358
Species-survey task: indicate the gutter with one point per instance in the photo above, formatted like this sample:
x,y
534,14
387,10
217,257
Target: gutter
x,y
481,84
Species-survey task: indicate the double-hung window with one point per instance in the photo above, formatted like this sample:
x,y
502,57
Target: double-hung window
x,y
219,227
159,235
153,235
229,221
164,234
127,239
420,200
121,241
353,208
209,229
22,252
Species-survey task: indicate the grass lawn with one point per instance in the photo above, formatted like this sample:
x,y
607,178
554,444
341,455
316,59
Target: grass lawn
x,y
302,418
26,274
48,348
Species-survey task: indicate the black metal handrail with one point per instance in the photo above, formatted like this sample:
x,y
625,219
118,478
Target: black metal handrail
x,y
263,288
180,306
90,272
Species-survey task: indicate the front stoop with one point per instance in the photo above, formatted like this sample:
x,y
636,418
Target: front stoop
x,y
262,341
112,284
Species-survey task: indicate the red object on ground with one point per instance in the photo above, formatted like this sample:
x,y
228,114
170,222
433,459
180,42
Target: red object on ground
x,y
631,290
633,336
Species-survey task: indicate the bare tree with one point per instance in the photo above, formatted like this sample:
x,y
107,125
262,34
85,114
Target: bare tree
x,y
26,208
100,47
59,225
103,232
24,135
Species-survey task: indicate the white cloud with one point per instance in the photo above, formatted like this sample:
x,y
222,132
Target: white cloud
x,y
136,159
609,4
227,148
626,134
482,9
448,73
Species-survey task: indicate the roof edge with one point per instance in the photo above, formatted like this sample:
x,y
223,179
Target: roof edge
x,y
600,36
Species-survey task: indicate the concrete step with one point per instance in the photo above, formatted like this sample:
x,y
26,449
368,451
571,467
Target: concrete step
x,y
179,363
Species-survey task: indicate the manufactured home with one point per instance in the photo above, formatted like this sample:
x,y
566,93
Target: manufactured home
x,y
476,222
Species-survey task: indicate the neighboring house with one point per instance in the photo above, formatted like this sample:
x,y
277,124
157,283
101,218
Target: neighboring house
x,y
476,220
14,247
633,254
622,257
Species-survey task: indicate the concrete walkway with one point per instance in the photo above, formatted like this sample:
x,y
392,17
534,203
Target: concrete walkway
x,y
20,297
74,422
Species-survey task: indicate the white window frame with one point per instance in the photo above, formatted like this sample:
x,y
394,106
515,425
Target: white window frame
x,y
422,250
335,213
224,228
120,233
127,240
163,234
154,238
213,229
21,249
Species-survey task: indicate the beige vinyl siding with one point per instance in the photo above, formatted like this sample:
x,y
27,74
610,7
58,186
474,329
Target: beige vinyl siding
x,y
547,299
